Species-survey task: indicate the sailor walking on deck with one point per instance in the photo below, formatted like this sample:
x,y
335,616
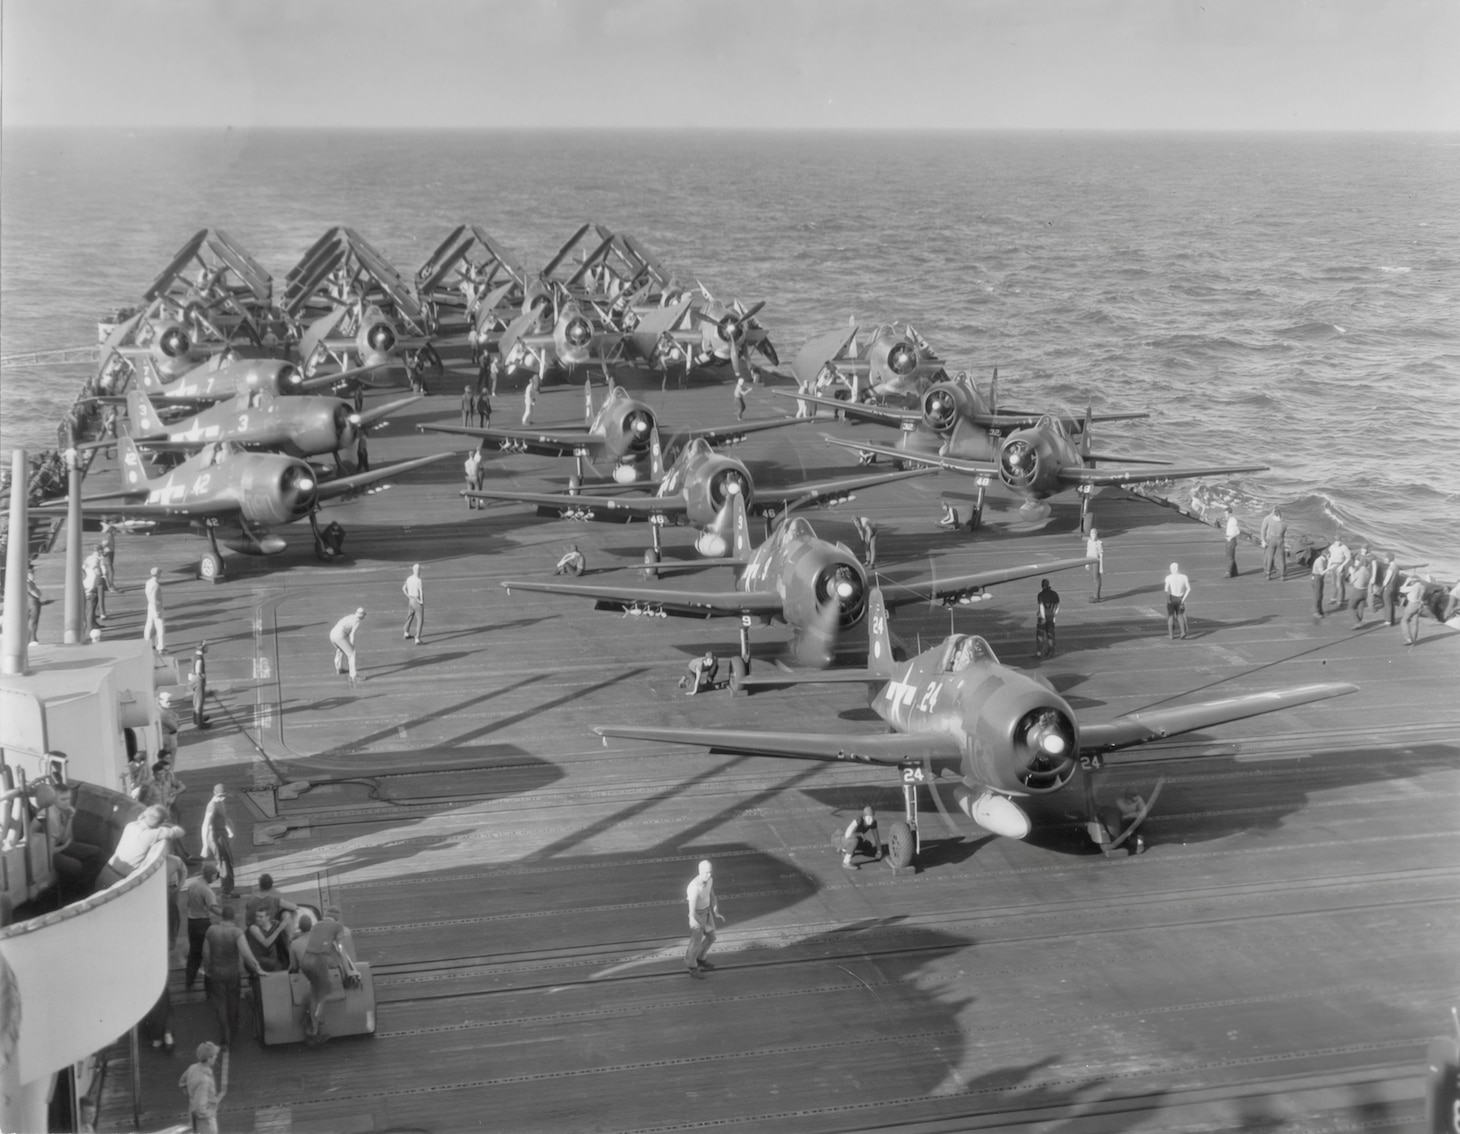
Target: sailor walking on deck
x,y
342,637
703,910
1234,529
153,591
415,591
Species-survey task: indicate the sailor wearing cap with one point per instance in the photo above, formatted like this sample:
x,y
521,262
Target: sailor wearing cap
x,y
342,637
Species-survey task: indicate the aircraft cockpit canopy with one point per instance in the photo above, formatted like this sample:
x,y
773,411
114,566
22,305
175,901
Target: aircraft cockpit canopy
x,y
796,530
1054,425
963,650
697,450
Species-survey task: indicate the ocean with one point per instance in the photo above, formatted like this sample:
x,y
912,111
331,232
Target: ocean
x,y
1286,299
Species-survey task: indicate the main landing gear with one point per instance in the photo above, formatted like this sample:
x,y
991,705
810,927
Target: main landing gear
x,y
1118,826
902,834
210,567
975,517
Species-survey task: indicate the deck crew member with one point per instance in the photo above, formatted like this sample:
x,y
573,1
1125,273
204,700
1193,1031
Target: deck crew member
x,y
153,591
34,600
415,591
342,637
1095,549
91,584
1234,529
225,951
201,906
1318,574
1274,534
1046,608
1178,590
703,910
218,837
322,951
861,837
468,405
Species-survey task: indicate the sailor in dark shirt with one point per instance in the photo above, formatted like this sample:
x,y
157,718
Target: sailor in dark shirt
x,y
1046,606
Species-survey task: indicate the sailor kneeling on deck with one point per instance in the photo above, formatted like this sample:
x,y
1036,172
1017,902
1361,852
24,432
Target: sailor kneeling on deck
x,y
860,838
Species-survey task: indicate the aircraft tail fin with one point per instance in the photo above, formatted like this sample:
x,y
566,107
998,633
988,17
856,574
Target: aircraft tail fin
x,y
656,454
143,418
1085,432
136,470
740,549
879,638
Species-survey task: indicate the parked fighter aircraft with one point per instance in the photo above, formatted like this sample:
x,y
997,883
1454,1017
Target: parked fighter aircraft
x,y
698,330
1017,756
295,426
697,491
895,361
1043,460
624,431
231,495
557,334
817,588
953,419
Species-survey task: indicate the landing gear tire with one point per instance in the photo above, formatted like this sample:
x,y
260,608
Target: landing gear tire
x,y
651,564
737,677
210,567
900,843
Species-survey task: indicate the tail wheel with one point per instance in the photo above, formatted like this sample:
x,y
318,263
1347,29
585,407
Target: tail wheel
x,y
900,843
210,567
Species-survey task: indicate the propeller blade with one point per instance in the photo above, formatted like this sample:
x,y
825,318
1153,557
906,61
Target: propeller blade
x,y
816,643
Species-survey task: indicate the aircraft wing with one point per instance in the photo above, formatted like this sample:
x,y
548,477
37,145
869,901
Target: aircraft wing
x,y
341,486
778,498
956,586
874,748
660,600
544,442
1155,724
1018,419
735,431
927,460
1146,475
586,506
882,415
183,511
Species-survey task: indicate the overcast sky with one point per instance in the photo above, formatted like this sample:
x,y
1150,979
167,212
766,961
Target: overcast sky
x,y
979,64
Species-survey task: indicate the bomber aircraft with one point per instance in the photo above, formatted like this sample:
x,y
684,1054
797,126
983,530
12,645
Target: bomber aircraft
x,y
229,495
697,491
817,588
1043,460
1018,759
297,426
624,430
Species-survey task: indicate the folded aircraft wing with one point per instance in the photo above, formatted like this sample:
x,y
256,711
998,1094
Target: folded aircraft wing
x,y
1155,724
900,594
341,486
875,748
661,600
1146,475
927,460
588,506
774,499
883,415
544,442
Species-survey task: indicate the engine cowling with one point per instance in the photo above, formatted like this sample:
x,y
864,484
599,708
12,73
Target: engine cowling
x,y
636,429
728,482
174,342
378,337
1027,463
895,356
943,406
276,490
1045,749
